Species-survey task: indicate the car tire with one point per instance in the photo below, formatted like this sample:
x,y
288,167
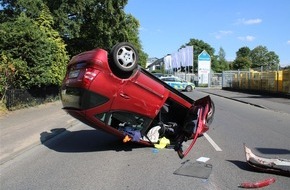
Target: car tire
x,y
188,88
124,57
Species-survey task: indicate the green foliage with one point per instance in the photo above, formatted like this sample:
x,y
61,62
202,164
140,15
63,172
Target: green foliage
x,y
243,60
57,55
35,49
260,56
243,52
219,62
8,70
87,24
242,63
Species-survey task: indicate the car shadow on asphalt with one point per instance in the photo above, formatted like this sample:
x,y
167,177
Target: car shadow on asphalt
x,y
63,140
242,165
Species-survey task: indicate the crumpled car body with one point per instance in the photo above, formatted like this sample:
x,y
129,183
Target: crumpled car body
x,y
271,165
111,92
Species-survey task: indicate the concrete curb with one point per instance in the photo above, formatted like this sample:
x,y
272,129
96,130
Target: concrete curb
x,y
245,102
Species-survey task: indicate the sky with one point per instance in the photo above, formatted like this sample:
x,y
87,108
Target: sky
x,y
166,25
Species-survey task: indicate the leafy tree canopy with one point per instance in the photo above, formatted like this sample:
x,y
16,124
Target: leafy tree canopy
x,y
219,62
241,63
260,56
87,24
83,24
33,49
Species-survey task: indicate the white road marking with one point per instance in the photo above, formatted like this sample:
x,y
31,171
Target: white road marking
x,y
215,146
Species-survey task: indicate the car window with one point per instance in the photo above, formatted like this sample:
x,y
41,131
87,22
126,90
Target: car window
x,y
178,80
118,119
81,98
168,79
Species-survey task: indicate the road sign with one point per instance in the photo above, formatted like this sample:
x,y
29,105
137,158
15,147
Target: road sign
x,y
204,67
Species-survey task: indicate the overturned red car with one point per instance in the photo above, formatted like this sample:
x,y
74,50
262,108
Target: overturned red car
x,y
111,92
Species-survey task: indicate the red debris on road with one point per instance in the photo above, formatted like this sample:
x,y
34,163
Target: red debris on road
x,y
257,184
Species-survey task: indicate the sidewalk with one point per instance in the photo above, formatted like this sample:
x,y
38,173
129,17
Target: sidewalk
x,y
20,130
279,104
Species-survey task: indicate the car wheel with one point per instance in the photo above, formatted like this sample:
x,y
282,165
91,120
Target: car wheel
x,y
188,88
124,56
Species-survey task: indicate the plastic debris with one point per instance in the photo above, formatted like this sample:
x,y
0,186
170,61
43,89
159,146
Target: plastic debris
x,y
271,165
126,139
155,150
163,142
202,159
257,184
153,134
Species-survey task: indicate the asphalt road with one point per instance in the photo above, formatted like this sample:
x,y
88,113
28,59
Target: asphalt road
x,y
85,158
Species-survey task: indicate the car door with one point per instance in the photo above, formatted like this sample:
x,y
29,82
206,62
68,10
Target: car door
x,y
140,94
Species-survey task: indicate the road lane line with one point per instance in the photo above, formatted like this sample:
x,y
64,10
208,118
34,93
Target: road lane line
x,y
215,146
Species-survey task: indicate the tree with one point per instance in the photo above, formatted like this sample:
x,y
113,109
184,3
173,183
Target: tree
x,y
243,52
83,24
13,8
243,60
37,47
87,24
219,62
241,63
8,71
57,53
261,57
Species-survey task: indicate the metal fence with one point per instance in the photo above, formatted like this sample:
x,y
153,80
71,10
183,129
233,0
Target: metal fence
x,y
18,98
215,79
258,80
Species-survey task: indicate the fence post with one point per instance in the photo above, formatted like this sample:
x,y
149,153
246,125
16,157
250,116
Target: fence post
x,y
238,78
249,79
277,88
209,80
261,78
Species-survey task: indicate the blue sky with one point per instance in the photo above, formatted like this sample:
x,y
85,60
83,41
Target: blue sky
x,y
230,24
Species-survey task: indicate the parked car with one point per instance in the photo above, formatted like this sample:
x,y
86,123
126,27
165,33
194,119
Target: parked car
x,y
178,83
158,75
111,92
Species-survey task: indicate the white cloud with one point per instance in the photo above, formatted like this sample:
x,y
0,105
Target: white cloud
x,y
222,33
249,21
247,38
288,42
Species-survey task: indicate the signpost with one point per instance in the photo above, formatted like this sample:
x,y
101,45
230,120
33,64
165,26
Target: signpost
x,y
204,67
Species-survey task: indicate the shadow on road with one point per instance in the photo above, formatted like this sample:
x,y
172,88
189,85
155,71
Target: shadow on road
x,y
83,141
242,165
273,151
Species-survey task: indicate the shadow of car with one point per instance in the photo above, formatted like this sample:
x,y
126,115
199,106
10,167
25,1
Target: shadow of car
x,y
111,92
